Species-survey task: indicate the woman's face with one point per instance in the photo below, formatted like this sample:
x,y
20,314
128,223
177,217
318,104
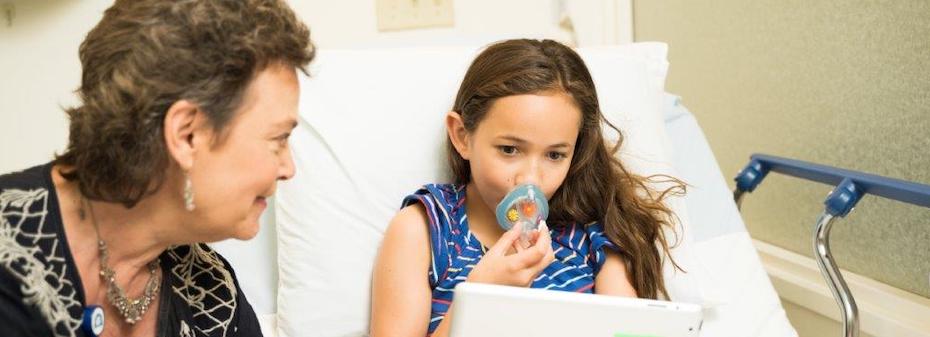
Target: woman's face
x,y
233,178
523,139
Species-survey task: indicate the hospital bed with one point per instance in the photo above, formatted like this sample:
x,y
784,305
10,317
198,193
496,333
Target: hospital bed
x,y
371,132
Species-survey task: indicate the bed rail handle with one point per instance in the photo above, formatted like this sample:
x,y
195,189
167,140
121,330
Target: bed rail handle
x,y
850,187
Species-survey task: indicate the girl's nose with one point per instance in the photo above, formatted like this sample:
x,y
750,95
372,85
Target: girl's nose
x,y
529,174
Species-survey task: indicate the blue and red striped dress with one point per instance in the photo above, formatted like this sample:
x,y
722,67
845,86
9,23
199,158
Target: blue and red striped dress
x,y
579,249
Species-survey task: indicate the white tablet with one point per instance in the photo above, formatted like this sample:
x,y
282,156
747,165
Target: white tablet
x,y
493,310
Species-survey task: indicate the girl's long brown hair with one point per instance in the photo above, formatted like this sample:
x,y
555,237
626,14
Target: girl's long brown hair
x,y
598,187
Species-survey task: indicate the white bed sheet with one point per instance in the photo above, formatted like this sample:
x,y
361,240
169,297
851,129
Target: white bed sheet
x,y
733,277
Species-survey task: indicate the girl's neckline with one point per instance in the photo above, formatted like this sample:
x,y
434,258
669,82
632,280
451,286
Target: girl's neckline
x,y
470,236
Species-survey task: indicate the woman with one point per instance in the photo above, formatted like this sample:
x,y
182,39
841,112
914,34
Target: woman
x,y
181,136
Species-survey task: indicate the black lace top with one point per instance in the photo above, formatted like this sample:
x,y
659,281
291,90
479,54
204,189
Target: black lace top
x,y
41,292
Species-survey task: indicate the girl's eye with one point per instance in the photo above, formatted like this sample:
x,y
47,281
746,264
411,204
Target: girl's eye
x,y
556,156
507,150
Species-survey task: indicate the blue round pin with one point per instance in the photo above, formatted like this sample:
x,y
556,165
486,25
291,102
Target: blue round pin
x,y
92,323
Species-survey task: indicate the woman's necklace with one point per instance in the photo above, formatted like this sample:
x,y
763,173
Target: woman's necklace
x,y
131,309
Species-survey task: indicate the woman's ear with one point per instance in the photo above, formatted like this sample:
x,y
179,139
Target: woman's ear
x,y
455,126
182,121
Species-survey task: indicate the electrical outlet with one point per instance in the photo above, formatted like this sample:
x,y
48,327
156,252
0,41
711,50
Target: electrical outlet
x,y
411,14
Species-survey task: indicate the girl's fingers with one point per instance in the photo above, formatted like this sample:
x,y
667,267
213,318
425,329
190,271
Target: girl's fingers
x,y
529,258
544,240
533,236
519,245
506,241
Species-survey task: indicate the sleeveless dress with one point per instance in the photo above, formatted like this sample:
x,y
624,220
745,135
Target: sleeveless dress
x,y
579,249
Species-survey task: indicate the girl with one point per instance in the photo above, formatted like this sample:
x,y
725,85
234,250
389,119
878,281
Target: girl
x,y
526,112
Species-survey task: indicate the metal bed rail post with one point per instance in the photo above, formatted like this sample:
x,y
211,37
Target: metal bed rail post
x,y
850,187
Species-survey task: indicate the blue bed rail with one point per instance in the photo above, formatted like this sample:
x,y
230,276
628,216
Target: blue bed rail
x,y
850,187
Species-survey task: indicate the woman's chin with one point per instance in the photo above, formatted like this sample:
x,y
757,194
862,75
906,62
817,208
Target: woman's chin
x,y
248,228
247,231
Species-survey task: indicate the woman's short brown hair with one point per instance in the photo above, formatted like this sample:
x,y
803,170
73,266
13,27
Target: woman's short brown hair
x,y
145,55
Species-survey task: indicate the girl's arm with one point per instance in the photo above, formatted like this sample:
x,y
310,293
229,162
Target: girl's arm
x,y
401,296
613,278
400,301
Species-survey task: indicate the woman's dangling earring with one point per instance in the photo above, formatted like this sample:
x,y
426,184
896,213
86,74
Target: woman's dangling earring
x,y
188,193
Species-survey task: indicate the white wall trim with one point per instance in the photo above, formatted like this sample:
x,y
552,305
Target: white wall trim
x,y
884,310
624,21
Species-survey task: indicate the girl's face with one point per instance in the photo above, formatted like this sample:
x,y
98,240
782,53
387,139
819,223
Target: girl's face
x,y
522,139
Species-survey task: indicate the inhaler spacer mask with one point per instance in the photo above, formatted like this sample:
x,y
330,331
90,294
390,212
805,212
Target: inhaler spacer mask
x,y
525,204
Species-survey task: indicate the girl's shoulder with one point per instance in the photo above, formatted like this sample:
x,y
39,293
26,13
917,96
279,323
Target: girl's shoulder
x,y
442,203
440,210
422,210
583,243
446,194
582,238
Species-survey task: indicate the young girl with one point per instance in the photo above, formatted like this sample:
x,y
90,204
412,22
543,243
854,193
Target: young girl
x,y
526,112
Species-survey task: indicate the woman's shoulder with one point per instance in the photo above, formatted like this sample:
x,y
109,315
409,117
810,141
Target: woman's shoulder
x,y
29,213
25,195
34,260
31,179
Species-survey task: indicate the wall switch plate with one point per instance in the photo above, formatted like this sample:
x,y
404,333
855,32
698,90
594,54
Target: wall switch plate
x,y
412,14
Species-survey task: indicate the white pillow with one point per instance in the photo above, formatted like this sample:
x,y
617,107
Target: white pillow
x,y
372,131
639,111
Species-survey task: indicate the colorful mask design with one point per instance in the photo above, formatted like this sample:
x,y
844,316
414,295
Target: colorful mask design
x,y
524,204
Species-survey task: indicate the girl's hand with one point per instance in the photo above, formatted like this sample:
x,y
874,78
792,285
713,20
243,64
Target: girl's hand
x,y
517,269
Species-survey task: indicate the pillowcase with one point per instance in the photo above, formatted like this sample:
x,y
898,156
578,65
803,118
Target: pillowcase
x,y
372,131
638,110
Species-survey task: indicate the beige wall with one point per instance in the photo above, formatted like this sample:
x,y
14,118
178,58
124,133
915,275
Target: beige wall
x,y
842,83
39,66
353,23
39,69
